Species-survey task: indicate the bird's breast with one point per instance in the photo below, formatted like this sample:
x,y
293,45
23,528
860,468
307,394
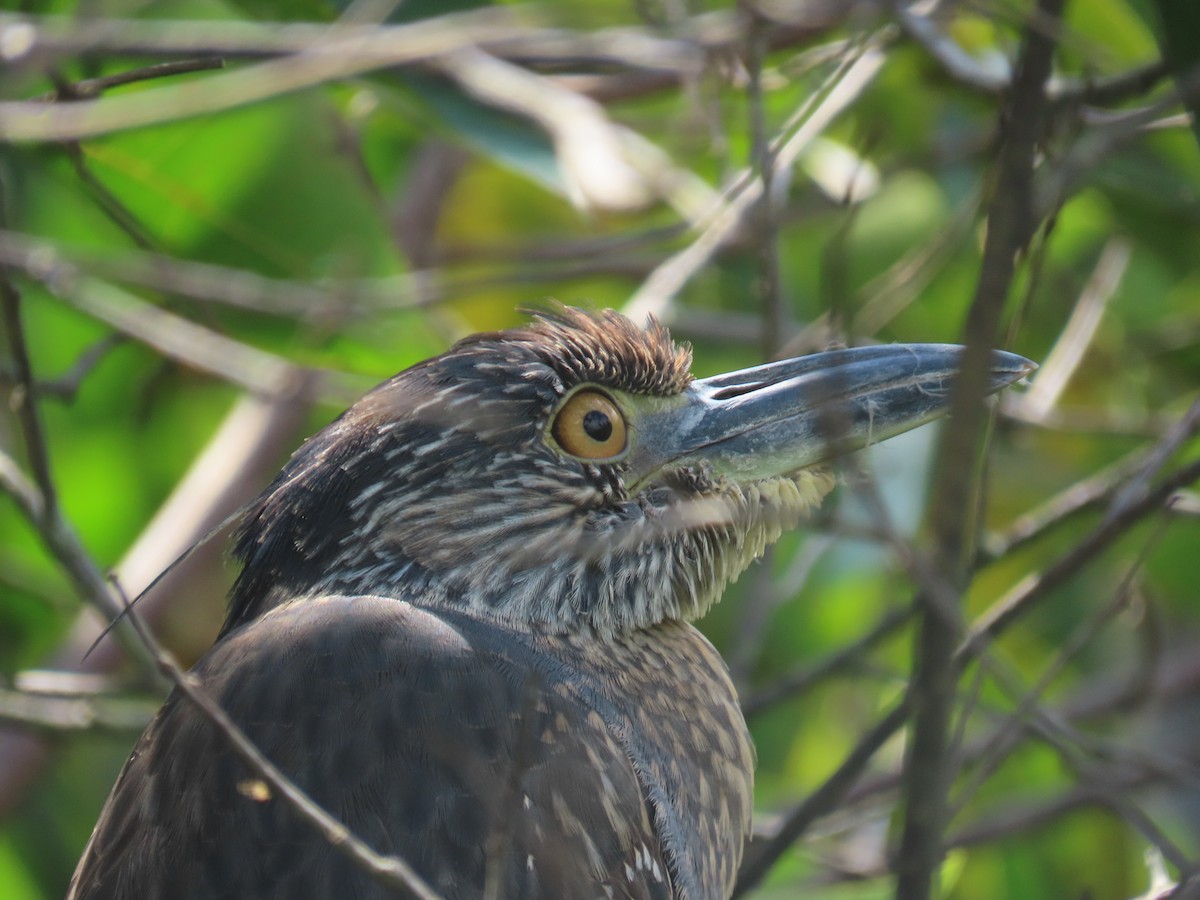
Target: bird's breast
x,y
665,694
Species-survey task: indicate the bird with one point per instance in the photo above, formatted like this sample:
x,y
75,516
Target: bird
x,y
463,624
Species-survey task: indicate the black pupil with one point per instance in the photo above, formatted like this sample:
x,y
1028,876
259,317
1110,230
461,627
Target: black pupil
x,y
597,425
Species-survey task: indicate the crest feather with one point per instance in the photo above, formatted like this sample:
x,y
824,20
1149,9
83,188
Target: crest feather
x,y
603,347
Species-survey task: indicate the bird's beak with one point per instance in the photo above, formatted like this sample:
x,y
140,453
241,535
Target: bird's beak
x,y
781,417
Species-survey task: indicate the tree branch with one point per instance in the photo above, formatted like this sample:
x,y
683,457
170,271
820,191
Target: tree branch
x,y
929,760
390,871
823,800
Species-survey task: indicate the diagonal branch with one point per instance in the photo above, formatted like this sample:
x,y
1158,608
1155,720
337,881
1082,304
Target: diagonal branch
x,y
38,500
241,454
1021,598
389,871
655,295
824,799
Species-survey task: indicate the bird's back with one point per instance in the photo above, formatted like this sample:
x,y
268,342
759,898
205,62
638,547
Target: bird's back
x,y
451,742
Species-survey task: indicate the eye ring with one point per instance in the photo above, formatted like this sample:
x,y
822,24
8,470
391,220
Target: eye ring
x,y
589,425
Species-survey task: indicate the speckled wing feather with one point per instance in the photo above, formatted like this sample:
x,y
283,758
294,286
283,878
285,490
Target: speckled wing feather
x,y
415,733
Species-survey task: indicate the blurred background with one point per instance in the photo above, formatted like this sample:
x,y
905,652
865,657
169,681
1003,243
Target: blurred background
x,y
223,220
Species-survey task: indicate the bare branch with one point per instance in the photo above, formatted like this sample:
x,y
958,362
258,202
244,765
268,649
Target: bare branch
x,y
24,397
67,385
54,714
337,53
657,292
38,501
89,88
824,799
1181,432
1071,172
604,165
994,76
389,871
802,680
1062,361
929,756
1037,587
241,455
61,269
511,34
258,371
1063,506
1027,704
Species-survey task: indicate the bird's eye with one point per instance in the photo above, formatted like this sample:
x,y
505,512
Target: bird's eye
x,y
590,426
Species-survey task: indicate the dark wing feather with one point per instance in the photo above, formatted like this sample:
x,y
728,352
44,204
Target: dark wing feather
x,y
415,733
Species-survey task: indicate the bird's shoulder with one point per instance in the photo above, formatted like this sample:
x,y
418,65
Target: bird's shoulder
x,y
435,738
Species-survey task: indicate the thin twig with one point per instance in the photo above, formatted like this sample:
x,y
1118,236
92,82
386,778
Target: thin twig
x,y
67,385
23,398
1176,681
1068,351
1036,587
1023,817
66,548
1069,173
390,871
264,374
990,77
1181,432
512,34
1062,507
1072,751
39,501
802,680
53,715
824,799
113,208
88,88
1114,481
655,295
61,269
1083,635
241,455
338,53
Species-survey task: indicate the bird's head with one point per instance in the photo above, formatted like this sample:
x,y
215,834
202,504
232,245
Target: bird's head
x,y
572,474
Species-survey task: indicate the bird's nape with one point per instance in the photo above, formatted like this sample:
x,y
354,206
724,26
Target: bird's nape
x,y
463,611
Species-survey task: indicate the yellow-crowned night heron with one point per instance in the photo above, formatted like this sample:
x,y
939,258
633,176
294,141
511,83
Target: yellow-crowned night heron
x,y
462,624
